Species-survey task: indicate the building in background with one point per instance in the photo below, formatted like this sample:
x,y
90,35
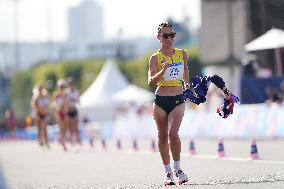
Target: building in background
x,y
85,40
227,26
85,23
222,38
223,30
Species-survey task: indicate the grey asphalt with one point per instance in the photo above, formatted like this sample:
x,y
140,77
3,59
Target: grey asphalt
x,y
24,165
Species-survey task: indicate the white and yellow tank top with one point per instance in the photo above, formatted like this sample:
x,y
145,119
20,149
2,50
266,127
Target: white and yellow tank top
x,y
59,99
174,72
72,97
42,101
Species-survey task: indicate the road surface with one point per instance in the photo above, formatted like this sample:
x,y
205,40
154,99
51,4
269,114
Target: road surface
x,y
24,165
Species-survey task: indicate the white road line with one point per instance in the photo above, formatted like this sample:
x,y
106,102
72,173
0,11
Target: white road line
x,y
202,156
232,158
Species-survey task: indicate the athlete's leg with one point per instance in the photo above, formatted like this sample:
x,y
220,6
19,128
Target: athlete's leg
x,y
72,131
62,130
75,123
39,135
175,119
161,119
69,129
75,138
44,130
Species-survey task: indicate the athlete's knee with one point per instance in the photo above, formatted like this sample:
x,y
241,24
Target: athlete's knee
x,y
163,138
173,136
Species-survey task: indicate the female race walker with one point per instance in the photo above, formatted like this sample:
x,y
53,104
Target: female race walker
x,y
72,117
167,67
40,104
59,102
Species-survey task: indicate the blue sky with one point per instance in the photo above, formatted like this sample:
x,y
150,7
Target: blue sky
x,y
138,18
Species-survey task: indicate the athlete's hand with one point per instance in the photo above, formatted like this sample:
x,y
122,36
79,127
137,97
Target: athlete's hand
x,y
187,93
165,65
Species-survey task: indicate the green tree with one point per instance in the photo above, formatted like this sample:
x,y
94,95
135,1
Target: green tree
x,y
21,89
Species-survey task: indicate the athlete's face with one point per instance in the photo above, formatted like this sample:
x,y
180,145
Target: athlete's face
x,y
167,36
61,87
72,85
40,89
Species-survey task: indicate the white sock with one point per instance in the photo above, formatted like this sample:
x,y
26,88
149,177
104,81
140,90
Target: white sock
x,y
177,165
168,168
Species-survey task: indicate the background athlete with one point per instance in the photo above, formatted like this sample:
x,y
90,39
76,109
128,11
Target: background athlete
x,y
59,99
72,116
40,104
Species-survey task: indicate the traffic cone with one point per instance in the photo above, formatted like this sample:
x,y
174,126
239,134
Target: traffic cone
x,y
118,144
221,149
104,146
153,146
135,145
192,148
253,151
91,142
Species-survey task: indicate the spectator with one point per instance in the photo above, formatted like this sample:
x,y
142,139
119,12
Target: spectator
x,y
11,122
271,95
250,65
281,92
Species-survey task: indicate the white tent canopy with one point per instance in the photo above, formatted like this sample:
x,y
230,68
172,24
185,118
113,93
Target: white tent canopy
x,y
133,93
96,103
109,81
272,39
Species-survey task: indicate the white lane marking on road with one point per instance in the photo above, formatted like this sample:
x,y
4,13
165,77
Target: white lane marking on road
x,y
233,158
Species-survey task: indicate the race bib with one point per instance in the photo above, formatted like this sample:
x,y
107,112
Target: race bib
x,y
174,71
59,100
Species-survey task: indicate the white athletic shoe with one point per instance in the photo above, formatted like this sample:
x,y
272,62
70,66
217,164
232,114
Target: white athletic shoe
x,y
182,177
169,179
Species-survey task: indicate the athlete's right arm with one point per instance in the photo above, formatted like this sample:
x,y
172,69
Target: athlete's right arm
x,y
153,75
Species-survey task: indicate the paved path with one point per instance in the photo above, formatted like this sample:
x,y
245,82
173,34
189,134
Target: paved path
x,y
27,166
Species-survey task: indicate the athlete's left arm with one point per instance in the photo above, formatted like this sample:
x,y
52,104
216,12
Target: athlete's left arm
x,y
185,73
